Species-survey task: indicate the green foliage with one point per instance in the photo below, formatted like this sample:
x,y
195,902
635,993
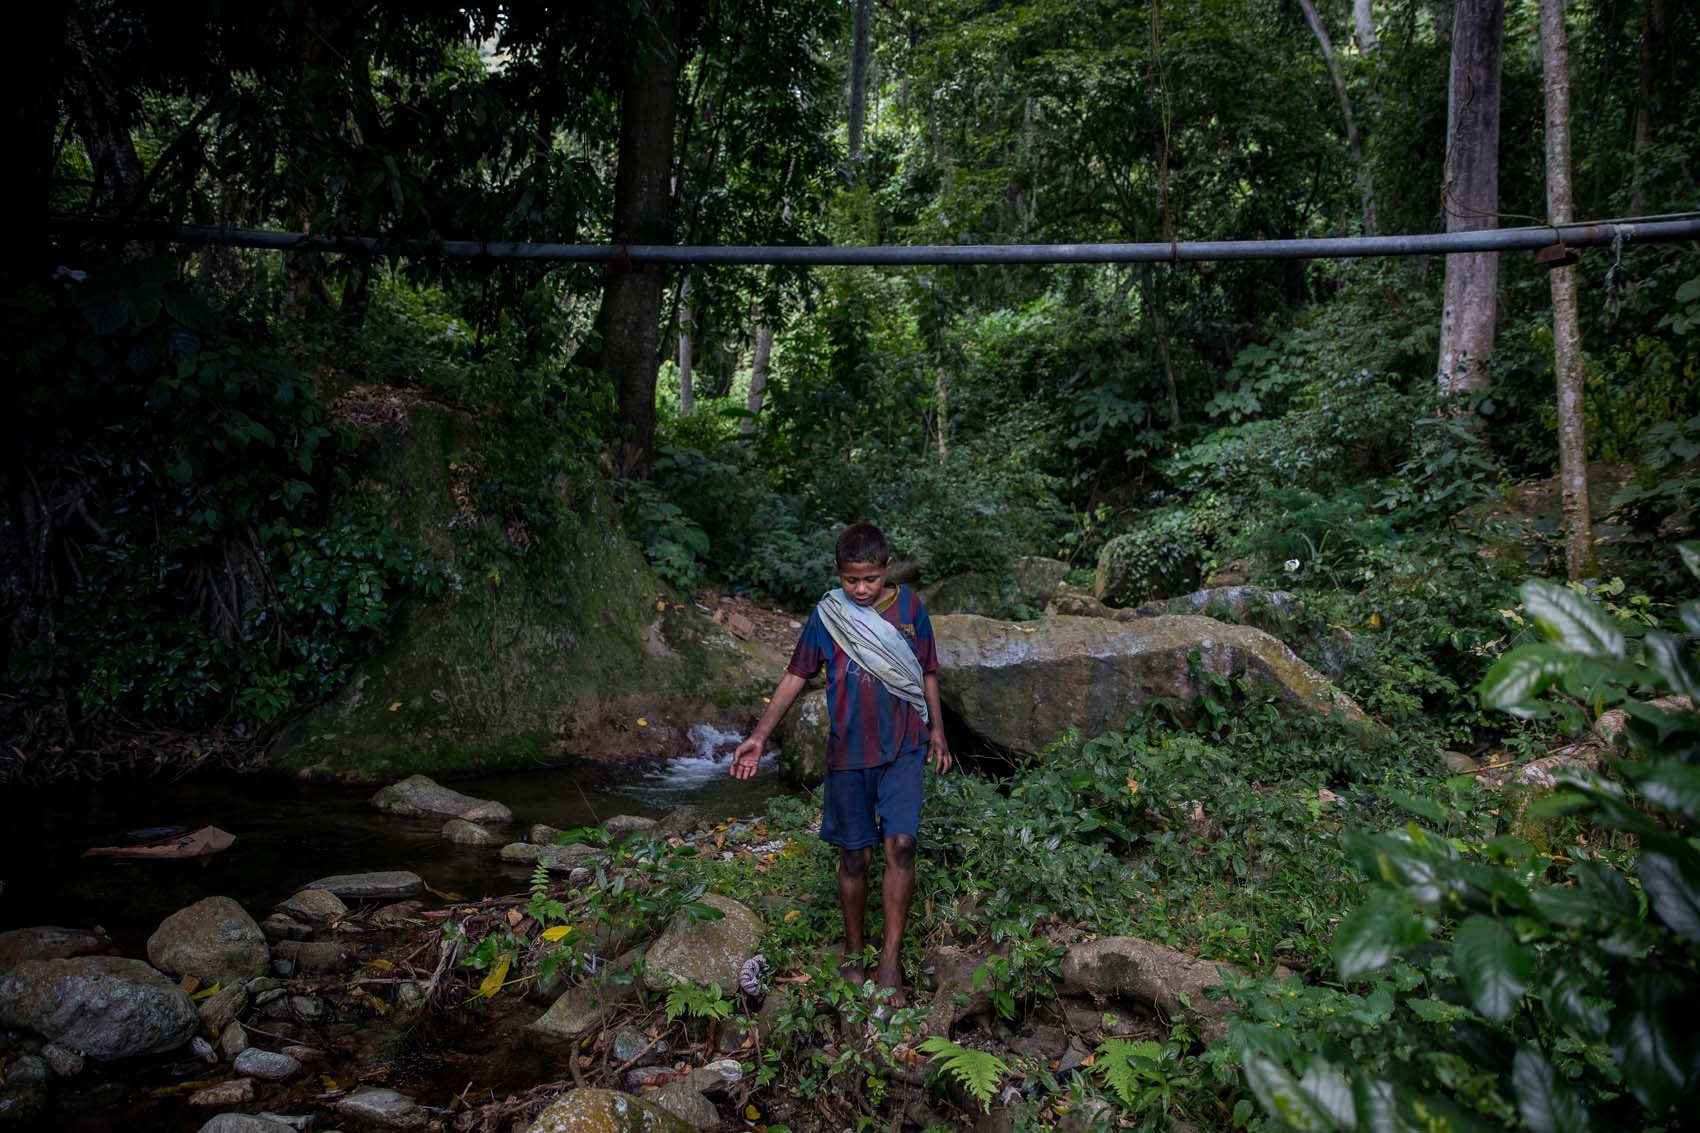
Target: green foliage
x,y
1146,564
1134,1072
978,1071
693,1002
1572,980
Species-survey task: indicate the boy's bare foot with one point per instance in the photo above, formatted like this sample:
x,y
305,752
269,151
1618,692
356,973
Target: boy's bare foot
x,y
851,969
891,976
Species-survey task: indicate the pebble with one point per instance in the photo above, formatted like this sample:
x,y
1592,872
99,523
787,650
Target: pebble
x,y
314,906
237,1091
63,1061
630,1043
307,1007
218,1011
268,1066
313,957
383,1107
27,1068
283,966
242,1123
202,1049
259,985
233,1040
278,927
301,1121
686,1104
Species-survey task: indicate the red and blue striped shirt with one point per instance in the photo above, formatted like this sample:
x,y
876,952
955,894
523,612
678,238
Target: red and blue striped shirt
x,y
870,727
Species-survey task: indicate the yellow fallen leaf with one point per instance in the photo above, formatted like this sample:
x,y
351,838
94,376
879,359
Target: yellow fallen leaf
x,y
1375,621
493,982
381,965
446,895
1132,785
642,723
394,704
751,1113
207,992
791,917
559,932
660,607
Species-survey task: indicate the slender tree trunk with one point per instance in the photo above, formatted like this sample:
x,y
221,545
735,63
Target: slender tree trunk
x,y
1652,35
1151,299
861,16
1363,25
1470,195
941,396
687,392
758,376
103,125
1568,361
1366,186
629,320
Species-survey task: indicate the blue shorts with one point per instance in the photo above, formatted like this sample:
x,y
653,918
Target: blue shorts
x,y
865,806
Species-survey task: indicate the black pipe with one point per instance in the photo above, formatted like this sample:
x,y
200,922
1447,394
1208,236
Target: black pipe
x,y
1338,247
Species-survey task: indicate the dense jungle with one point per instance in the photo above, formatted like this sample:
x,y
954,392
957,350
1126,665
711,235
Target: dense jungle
x,y
383,601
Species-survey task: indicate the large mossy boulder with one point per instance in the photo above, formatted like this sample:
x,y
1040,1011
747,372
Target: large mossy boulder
x,y
1142,566
1020,685
594,1110
521,658
1021,588
803,737
704,952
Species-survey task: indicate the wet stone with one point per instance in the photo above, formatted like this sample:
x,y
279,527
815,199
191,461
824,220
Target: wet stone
x,y
294,1121
63,1061
307,1007
237,1091
28,1068
686,1104
382,1107
542,834
259,985
268,1066
242,1123
401,914
202,1049
630,1044
283,966
233,1040
627,824
47,942
464,833
313,906
313,957
220,1009
24,1104
575,1013
278,927
387,884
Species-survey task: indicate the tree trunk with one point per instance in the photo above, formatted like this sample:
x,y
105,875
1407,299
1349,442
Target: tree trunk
x,y
1153,302
1470,195
687,392
1568,362
629,320
1652,34
1366,186
941,395
758,376
1363,23
103,126
861,16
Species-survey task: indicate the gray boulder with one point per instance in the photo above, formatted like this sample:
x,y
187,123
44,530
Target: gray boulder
x,y
542,833
313,906
47,942
381,1107
267,1065
105,1006
218,1011
214,940
1018,686
680,822
592,1109
556,859
1125,967
464,833
313,957
386,885
704,952
243,1123
802,739
577,1012
627,824
422,795
686,1103
1144,565
1272,611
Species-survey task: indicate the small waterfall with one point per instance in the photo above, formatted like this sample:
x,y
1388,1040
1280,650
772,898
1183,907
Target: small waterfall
x,y
708,762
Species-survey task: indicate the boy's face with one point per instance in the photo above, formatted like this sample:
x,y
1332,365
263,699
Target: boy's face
x,y
864,582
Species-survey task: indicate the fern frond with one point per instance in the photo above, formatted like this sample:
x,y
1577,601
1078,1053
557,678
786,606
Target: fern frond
x,y
1124,1063
539,880
979,1071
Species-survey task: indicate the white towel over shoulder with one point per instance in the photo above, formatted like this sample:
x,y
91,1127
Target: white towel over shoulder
x,y
876,645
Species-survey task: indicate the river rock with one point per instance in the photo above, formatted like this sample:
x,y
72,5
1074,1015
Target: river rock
x,y
313,906
420,794
642,1078
214,940
577,1012
314,957
704,952
543,834
401,914
627,824
63,1061
685,1103
278,927
28,1068
233,1040
1142,565
632,1045
382,886
1028,581
243,1123
1020,685
383,1107
105,1006
802,739
464,833
237,1091
266,1065
1272,611
47,942
221,1008
556,859
1145,972
593,1110
680,822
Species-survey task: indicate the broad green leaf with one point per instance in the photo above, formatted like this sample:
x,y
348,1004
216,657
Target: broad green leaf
x,y
1374,1101
1671,785
1282,1097
1493,967
1545,1100
1578,625
1520,676
1375,932
1670,874
1668,657
1690,552
1328,1088
1572,1000
1654,1049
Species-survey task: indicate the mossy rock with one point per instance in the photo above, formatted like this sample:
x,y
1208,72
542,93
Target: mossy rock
x,y
803,739
1142,565
512,666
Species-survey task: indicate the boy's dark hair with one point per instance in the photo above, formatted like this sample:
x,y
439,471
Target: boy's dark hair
x,y
861,543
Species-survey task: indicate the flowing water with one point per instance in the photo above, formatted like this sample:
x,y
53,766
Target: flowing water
x,y
289,833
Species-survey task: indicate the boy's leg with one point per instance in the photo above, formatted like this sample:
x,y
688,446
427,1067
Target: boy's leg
x,y
853,899
897,892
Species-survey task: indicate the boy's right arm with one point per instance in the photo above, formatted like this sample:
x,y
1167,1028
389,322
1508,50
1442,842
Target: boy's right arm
x,y
748,755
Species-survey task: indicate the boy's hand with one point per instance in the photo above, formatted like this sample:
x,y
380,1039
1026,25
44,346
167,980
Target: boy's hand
x,y
938,753
746,758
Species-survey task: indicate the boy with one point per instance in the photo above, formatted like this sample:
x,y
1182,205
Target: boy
x,y
882,695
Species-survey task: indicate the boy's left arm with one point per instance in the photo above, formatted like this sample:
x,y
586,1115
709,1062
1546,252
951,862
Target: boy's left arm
x,y
938,749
